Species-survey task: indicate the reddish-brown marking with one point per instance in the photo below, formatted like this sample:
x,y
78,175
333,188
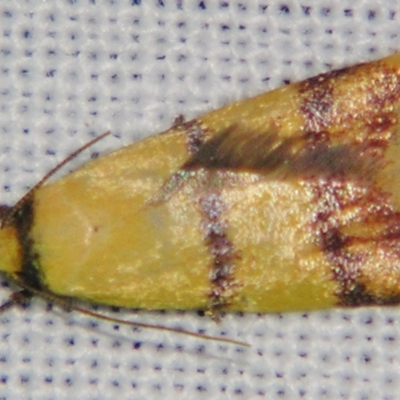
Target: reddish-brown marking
x,y
340,192
195,137
317,101
213,225
334,199
221,248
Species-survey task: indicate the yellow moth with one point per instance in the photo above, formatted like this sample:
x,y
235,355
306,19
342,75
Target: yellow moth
x,y
286,201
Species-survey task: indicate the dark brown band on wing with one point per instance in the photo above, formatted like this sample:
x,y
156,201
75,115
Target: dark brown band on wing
x,y
30,272
214,227
222,250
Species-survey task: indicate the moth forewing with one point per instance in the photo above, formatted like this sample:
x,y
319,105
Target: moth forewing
x,y
284,202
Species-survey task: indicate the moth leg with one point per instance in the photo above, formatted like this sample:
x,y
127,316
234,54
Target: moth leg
x,y
21,298
214,313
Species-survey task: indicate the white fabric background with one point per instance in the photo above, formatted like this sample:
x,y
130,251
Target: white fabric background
x,y
70,70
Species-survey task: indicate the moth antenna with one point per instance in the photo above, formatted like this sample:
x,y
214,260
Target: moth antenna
x,y
65,304
9,214
160,327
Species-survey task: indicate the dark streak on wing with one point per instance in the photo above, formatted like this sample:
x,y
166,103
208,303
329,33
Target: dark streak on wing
x,y
30,272
265,153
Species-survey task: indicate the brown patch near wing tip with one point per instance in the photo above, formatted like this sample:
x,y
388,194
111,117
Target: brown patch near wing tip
x,y
317,100
362,96
366,134
224,255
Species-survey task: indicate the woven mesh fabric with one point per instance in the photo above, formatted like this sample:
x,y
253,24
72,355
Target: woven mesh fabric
x,y
70,70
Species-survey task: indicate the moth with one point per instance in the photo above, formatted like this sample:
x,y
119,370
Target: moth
x,y
286,201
